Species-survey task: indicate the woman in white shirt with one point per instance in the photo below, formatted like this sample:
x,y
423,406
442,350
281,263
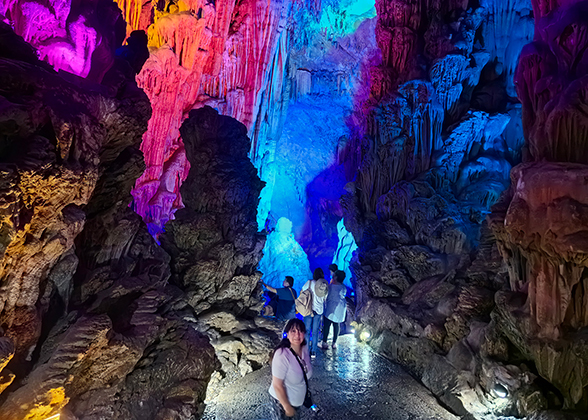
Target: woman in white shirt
x,y
318,287
288,387
335,308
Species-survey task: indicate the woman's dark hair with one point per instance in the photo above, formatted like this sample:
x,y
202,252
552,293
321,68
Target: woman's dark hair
x,y
290,280
333,267
285,343
318,274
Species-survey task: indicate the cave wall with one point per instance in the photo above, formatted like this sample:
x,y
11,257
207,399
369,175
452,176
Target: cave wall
x,y
433,147
87,316
96,321
415,111
472,303
540,224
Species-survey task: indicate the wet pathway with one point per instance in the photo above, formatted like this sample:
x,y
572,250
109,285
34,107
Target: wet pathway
x,y
348,383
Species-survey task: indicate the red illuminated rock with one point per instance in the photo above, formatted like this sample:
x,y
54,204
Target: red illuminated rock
x,y
201,54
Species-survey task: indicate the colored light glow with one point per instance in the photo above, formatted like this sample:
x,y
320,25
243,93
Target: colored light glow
x,y
343,18
365,335
362,8
283,256
344,253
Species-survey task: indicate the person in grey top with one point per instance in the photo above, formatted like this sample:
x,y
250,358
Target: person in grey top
x,y
335,308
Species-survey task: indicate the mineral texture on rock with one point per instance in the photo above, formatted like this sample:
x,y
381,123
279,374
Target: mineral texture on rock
x,y
201,53
439,138
396,123
541,223
214,243
90,326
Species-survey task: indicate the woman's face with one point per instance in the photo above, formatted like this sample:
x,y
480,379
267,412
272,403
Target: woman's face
x,y
295,336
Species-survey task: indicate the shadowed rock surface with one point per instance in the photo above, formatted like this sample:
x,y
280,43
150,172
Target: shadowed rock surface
x,y
214,244
88,317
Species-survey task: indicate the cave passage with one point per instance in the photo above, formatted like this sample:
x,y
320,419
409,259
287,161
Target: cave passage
x,y
435,151
350,382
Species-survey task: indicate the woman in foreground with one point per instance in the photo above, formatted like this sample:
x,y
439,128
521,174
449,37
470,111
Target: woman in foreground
x,y
288,387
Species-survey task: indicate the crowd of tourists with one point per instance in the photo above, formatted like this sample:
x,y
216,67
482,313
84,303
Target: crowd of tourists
x,y
320,302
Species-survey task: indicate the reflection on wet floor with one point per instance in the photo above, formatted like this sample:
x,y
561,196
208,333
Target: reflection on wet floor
x,y
350,382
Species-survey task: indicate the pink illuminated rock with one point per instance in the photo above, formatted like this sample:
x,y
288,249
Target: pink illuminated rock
x,y
78,38
196,60
202,53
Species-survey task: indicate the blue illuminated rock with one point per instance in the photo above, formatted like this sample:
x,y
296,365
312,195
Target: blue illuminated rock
x,y
283,256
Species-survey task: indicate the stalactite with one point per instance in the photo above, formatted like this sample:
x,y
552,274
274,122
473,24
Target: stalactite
x,y
537,232
551,87
137,14
508,29
202,57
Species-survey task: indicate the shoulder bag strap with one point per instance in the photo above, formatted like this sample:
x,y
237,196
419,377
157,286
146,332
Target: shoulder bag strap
x,y
293,297
301,367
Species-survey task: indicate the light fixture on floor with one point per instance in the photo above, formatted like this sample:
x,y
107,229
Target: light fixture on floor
x,y
362,333
365,335
500,390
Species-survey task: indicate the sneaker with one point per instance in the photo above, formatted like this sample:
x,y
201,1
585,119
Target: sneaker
x,y
334,346
323,345
312,354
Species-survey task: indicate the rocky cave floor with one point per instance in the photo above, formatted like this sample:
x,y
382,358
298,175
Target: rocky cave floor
x,y
351,382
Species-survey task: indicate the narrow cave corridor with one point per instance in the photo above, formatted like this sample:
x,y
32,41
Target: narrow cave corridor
x,y
168,165
350,382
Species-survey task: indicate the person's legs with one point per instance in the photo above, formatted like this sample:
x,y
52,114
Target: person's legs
x,y
335,332
308,324
326,327
315,332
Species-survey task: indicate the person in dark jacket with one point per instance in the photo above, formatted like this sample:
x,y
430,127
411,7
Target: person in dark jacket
x,y
285,308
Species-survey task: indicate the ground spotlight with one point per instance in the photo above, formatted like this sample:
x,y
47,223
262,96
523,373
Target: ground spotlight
x,y
365,335
500,390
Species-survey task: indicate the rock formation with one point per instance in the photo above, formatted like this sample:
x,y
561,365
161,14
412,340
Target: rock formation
x,y
467,271
201,53
430,164
88,318
214,244
541,224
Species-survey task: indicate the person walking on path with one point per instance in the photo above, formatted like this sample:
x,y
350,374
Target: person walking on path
x,y
288,387
285,308
318,287
335,308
